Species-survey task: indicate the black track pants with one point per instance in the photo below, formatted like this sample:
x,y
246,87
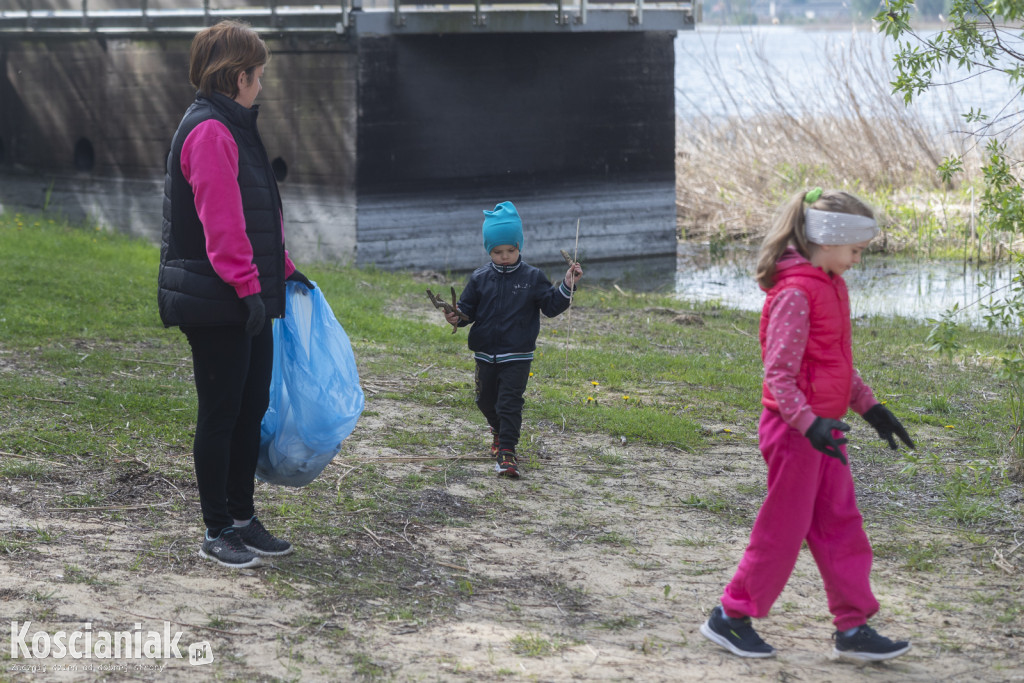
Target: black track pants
x,y
232,375
499,396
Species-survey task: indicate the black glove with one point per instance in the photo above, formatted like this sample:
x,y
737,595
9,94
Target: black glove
x,y
886,424
257,314
296,276
820,434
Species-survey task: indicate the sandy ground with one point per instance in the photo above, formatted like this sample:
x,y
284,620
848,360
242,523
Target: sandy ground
x,y
599,564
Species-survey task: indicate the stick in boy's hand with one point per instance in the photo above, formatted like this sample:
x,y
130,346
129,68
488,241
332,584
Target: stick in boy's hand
x,y
451,310
573,275
575,272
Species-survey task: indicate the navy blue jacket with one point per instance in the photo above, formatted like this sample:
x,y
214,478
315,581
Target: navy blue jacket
x,y
504,305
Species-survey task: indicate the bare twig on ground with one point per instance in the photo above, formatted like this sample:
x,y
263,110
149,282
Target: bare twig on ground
x,y
182,623
109,508
46,400
29,457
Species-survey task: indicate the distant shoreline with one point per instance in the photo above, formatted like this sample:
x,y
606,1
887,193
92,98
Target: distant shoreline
x,y
932,25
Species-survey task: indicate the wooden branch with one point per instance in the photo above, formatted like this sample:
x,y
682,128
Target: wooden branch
x,y
448,307
423,458
29,457
153,362
452,566
181,623
47,400
108,508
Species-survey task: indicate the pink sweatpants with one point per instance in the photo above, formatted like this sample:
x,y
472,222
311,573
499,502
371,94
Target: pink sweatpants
x,y
810,497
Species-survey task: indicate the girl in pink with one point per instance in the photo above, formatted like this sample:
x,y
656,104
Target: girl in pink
x,y
809,384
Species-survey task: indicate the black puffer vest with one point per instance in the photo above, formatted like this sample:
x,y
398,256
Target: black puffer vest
x,y
189,290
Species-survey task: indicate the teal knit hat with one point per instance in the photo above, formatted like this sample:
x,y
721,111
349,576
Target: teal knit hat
x,y
503,226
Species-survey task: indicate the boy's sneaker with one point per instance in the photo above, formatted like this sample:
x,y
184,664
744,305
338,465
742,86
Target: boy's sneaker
x,y
865,645
262,542
494,444
506,466
229,550
735,635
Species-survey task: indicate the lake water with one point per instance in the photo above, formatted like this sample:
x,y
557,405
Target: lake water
x,y
879,285
721,72
726,72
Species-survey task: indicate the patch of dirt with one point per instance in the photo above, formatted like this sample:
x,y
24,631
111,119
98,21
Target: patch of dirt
x,y
415,563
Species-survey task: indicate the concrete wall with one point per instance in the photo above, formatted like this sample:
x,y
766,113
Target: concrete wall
x,y
441,230
572,126
76,114
502,107
388,148
118,98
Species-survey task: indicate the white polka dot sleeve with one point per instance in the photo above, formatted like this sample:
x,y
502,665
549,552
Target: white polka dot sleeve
x,y
862,398
785,343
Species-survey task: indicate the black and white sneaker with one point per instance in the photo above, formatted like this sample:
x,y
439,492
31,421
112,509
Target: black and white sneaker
x,y
228,550
506,465
865,645
735,635
262,542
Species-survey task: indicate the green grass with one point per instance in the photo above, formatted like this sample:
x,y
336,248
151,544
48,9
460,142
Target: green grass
x,y
712,502
95,390
100,318
98,374
914,556
536,645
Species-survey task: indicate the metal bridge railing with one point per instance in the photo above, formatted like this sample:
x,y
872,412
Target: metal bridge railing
x,y
361,17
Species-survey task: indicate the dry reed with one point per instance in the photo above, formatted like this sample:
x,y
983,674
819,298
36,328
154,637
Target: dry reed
x,y
847,132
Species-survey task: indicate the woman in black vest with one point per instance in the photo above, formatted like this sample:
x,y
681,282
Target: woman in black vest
x,y
222,271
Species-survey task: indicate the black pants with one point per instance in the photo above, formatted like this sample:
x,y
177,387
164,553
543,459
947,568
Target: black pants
x,y
499,396
232,373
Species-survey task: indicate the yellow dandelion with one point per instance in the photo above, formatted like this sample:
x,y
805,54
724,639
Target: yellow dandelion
x,y
727,430
589,399
531,374
595,383
949,427
625,398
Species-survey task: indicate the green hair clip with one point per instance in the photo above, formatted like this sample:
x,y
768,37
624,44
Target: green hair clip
x,y
813,195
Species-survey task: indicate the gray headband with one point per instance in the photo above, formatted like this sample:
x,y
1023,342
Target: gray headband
x,y
833,228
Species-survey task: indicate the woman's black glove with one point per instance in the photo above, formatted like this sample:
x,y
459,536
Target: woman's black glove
x,y
296,276
886,424
820,435
257,314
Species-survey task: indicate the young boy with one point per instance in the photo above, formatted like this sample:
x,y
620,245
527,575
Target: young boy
x,y
502,301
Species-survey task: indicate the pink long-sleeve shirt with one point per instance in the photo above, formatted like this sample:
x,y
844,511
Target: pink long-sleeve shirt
x,y
209,162
784,352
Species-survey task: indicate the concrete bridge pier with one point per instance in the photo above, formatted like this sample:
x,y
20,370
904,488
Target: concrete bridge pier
x,y
567,127
390,129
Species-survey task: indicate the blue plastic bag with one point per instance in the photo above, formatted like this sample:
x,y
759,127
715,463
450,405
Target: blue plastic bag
x,y
315,397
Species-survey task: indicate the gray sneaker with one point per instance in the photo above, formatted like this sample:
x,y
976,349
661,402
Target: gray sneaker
x,y
735,635
262,542
867,645
229,550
